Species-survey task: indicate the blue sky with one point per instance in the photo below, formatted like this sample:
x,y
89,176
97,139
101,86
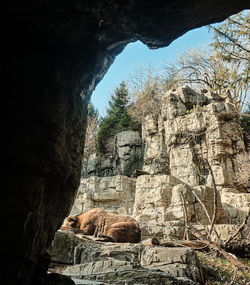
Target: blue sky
x,y
137,55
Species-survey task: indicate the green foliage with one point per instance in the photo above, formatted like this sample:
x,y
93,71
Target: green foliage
x,y
245,123
92,111
91,130
117,119
221,272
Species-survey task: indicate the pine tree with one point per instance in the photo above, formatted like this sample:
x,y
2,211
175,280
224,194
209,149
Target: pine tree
x,y
117,118
91,130
92,111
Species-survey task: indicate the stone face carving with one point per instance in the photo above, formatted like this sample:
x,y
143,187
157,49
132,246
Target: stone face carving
x,y
128,156
129,152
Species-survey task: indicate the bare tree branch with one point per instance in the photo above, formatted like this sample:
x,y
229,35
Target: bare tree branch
x,y
240,229
214,198
186,236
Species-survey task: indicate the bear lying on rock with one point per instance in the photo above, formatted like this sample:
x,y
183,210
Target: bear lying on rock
x,y
105,224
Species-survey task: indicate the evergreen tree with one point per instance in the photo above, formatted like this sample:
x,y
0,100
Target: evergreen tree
x,y
91,130
92,111
117,118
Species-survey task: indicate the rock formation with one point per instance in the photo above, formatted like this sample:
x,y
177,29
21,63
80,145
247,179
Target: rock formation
x,y
116,193
158,200
130,263
197,137
126,157
155,153
196,130
56,53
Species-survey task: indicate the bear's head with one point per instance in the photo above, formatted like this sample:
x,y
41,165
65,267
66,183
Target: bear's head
x,y
71,222
133,234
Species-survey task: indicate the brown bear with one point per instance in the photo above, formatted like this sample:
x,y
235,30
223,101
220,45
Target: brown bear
x,y
101,223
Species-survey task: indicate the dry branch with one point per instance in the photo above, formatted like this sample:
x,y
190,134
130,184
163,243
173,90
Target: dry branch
x,y
214,199
183,243
240,229
186,236
203,206
217,248
150,241
206,212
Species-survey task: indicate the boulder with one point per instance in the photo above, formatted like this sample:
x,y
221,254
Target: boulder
x,y
90,260
177,261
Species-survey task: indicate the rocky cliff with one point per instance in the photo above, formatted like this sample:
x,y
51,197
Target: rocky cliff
x,y
194,132
196,135
190,154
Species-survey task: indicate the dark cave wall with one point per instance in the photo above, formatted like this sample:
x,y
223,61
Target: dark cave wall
x,y
44,151
56,53
42,161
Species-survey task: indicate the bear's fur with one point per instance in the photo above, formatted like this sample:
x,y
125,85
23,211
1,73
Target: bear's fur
x,y
101,223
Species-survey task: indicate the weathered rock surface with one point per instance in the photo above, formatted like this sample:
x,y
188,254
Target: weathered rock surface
x,y
159,199
174,231
156,201
116,193
236,205
155,153
138,277
193,129
109,261
97,166
175,261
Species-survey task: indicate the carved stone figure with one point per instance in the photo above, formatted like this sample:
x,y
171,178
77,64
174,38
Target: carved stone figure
x,y
129,152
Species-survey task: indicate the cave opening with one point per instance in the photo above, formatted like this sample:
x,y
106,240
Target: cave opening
x,y
53,50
